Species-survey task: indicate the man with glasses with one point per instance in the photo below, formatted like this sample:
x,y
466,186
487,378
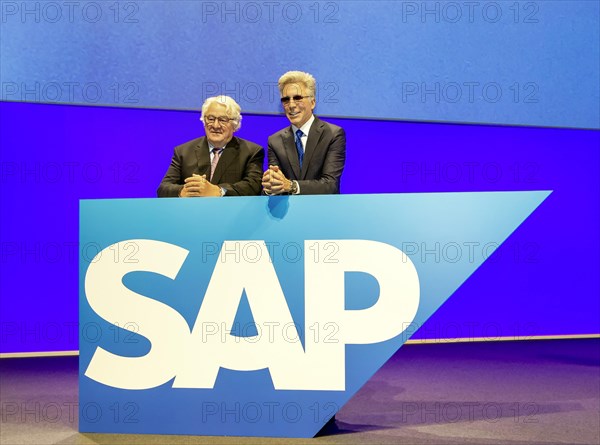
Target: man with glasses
x,y
217,164
308,157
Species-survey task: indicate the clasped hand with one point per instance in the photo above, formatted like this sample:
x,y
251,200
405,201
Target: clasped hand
x,y
274,182
197,186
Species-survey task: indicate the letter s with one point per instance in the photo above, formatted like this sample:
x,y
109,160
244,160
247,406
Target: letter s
x,y
162,325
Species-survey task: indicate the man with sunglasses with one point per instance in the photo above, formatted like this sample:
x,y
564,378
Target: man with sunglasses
x,y
307,157
218,164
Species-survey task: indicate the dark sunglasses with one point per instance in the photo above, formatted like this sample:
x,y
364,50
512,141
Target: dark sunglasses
x,y
286,99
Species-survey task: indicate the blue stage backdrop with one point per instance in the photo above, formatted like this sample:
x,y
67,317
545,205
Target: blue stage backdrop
x,y
504,62
542,281
89,100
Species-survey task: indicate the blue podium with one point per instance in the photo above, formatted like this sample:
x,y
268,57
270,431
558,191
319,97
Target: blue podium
x,y
262,316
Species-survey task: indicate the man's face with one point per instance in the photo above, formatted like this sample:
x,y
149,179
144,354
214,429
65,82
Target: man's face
x,y
297,111
218,133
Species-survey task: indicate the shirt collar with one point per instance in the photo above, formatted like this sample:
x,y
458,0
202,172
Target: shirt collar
x,y
211,146
306,127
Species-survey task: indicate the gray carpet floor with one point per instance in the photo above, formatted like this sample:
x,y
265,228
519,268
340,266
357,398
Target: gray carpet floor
x,y
525,392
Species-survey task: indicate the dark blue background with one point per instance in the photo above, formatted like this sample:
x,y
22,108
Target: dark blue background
x,y
542,281
533,63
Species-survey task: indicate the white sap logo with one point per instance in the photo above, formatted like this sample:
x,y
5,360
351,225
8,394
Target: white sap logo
x,y
194,358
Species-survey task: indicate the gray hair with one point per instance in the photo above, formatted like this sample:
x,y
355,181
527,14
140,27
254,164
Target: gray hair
x,y
300,77
232,109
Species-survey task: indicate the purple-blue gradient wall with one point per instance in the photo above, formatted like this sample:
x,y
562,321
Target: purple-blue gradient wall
x,y
543,281
503,62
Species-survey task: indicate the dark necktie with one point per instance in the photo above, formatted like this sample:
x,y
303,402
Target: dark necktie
x,y
213,165
299,147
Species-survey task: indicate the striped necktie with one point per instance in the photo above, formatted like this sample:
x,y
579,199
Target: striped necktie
x,y
299,146
213,165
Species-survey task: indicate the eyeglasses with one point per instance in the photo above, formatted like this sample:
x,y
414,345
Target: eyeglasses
x,y
286,99
220,119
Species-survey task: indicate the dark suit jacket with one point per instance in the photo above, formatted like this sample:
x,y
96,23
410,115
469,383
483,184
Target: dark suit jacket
x,y
323,162
239,170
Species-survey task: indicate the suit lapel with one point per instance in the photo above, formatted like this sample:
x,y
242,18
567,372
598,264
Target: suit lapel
x,y
228,155
289,144
202,158
314,136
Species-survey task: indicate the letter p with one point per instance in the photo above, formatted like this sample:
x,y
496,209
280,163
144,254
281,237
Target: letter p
x,y
395,309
